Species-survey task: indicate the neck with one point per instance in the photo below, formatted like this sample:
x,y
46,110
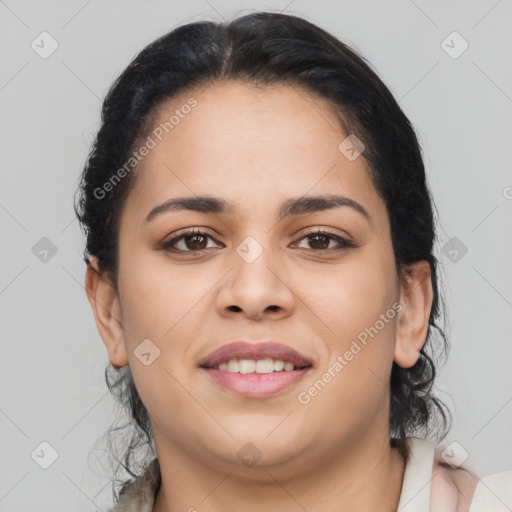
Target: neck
x,y
366,476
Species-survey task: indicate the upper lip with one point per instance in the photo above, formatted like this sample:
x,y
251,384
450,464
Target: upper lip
x,y
260,350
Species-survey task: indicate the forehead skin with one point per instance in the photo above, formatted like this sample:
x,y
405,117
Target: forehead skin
x,y
255,147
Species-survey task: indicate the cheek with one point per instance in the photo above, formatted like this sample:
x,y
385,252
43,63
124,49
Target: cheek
x,y
158,305
355,304
348,298
157,296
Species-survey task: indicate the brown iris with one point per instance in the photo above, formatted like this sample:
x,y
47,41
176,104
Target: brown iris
x,y
195,237
325,239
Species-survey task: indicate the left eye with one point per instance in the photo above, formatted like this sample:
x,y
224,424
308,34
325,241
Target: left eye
x,y
323,239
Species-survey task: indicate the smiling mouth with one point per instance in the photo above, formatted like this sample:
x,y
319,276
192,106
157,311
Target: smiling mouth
x,y
255,370
257,366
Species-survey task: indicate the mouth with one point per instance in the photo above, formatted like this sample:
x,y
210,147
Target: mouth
x,y
256,369
263,357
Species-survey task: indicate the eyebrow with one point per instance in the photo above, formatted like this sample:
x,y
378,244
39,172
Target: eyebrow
x,y
290,207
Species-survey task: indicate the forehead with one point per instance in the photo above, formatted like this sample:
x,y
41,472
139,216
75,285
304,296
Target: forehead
x,y
244,142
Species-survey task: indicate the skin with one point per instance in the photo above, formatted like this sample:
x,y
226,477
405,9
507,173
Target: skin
x,y
256,148
451,489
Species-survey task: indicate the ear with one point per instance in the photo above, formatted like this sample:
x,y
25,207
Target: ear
x,y
107,312
416,297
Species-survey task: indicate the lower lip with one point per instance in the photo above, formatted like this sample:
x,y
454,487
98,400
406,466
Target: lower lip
x,y
256,385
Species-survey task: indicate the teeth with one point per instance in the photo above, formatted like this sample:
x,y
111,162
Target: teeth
x,y
264,366
288,367
245,366
233,366
278,365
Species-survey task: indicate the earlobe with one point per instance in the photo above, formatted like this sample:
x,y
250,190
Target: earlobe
x,y
416,298
105,305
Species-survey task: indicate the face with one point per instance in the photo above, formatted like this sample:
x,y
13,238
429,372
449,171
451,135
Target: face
x,y
251,274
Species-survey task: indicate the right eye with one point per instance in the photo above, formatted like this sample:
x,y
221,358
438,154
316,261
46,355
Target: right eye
x,y
192,240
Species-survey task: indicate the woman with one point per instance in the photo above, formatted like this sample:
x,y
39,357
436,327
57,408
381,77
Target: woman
x,y
259,264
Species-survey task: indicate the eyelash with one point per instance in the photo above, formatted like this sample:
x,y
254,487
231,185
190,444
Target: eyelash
x,y
343,242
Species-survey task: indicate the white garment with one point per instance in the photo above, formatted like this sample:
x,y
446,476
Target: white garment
x,y
415,495
492,494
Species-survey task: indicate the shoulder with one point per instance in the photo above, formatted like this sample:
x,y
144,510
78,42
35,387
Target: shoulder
x,y
452,489
461,490
493,493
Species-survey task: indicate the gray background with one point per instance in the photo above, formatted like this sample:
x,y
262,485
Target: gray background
x,y
51,369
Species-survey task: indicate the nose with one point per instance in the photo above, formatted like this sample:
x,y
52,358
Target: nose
x,y
256,290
